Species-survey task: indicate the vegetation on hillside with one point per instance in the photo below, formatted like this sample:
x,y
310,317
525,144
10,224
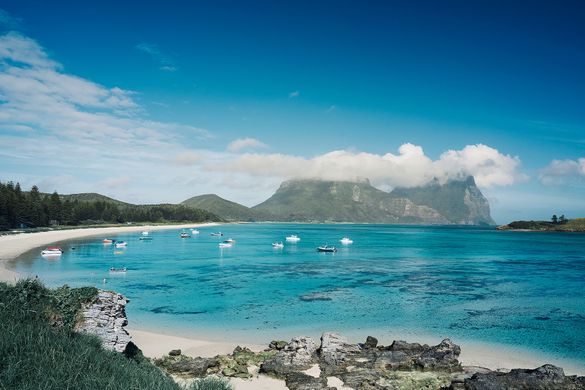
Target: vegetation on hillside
x,y
230,211
572,225
35,209
40,350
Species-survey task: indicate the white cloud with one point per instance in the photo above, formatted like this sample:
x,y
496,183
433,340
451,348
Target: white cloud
x,y
410,167
164,60
187,158
560,172
294,94
245,143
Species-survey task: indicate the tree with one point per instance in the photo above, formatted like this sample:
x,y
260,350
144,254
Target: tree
x,y
562,219
554,219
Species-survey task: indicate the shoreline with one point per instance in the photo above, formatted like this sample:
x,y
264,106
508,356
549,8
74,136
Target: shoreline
x,y
155,343
14,245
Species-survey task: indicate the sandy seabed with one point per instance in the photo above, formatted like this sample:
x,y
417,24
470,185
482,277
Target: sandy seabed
x,y
156,344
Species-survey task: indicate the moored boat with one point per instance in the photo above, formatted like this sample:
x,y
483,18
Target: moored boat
x,y
230,241
184,235
145,238
121,244
225,245
107,241
218,234
118,270
144,233
194,231
277,245
52,251
326,248
346,241
293,238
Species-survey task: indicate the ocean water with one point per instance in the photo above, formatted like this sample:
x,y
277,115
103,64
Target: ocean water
x,y
525,290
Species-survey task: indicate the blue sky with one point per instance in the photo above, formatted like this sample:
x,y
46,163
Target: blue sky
x,y
153,103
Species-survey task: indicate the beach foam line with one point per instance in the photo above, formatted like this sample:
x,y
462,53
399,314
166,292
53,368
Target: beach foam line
x,y
14,245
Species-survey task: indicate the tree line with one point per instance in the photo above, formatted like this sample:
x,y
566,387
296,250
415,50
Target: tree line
x,y
20,209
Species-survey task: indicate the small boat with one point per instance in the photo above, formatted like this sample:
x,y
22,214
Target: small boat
x,y
145,238
218,234
107,241
121,244
230,241
194,231
346,241
184,235
277,245
326,248
293,238
225,245
52,251
144,233
118,270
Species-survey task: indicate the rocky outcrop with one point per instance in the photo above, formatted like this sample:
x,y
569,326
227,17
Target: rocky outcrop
x,y
105,317
334,363
298,355
547,377
364,366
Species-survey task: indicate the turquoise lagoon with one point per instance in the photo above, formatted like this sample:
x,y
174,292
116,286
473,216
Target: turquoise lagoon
x,y
519,289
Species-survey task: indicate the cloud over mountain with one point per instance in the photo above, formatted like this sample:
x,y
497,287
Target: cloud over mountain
x,y
410,167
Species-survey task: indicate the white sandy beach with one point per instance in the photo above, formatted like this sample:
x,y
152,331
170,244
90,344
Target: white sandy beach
x,y
157,344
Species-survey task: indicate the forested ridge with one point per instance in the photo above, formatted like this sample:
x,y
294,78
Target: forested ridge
x,y
32,209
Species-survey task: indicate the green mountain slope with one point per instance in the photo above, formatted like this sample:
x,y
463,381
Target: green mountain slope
x,y
458,202
225,209
336,201
92,197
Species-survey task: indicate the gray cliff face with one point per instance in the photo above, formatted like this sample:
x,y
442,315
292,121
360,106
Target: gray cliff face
x,y
106,318
454,202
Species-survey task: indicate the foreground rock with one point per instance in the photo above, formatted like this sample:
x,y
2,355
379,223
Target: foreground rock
x,y
105,317
547,377
334,363
365,366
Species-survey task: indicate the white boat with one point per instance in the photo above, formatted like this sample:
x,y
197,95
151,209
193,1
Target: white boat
x,y
184,235
326,248
118,270
145,238
293,238
346,241
52,251
225,245
121,244
230,241
194,231
145,233
277,245
218,234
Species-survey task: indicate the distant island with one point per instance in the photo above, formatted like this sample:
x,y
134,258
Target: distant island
x,y
560,224
455,202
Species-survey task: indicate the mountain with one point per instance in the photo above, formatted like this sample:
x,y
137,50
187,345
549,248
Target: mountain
x,y
459,201
225,209
455,202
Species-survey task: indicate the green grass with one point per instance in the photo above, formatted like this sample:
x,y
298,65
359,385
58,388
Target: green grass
x,y
39,349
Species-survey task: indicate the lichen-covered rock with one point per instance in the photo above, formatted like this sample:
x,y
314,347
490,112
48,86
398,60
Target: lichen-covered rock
x,y
186,366
298,355
547,377
440,357
277,344
335,349
105,317
301,381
